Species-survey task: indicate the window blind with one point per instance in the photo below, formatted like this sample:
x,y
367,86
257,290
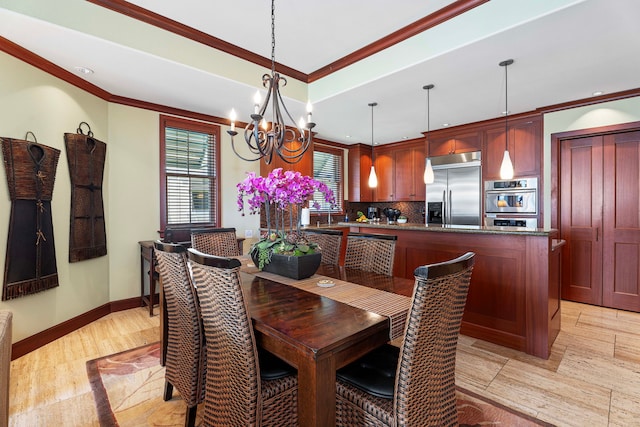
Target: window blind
x,y
190,173
327,168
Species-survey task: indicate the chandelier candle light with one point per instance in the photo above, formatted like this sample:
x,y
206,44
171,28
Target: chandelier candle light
x,y
262,138
373,179
506,169
428,170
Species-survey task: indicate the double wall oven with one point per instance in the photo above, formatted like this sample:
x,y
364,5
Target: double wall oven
x,y
511,203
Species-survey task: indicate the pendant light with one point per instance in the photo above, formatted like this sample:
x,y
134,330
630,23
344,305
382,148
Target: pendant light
x,y
373,179
428,170
506,169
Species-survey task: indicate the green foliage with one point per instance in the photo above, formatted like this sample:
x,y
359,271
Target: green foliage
x,y
279,243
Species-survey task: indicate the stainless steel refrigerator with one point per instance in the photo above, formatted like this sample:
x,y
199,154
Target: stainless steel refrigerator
x,y
454,197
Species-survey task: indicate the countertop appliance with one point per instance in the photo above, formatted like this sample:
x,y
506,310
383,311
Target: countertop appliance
x,y
454,196
373,212
391,214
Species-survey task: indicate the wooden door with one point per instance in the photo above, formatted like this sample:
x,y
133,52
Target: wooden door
x,y
581,218
600,219
621,221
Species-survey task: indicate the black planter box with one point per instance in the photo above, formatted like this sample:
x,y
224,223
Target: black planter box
x,y
295,267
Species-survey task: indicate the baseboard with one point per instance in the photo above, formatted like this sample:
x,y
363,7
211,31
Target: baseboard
x,y
36,341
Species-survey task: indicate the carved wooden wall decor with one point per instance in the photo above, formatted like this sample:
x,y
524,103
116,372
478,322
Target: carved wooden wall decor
x,y
30,264
86,156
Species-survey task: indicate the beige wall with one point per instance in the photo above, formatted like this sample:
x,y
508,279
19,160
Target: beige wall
x,y
33,100
604,114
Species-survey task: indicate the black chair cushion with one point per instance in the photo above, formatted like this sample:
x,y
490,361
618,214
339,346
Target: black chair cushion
x,y
273,368
374,373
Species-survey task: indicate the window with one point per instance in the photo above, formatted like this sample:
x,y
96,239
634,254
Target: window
x,y
327,167
189,167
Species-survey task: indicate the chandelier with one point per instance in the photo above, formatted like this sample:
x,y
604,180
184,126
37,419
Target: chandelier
x,y
265,138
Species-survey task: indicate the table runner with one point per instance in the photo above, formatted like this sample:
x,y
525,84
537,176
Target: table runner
x,y
393,306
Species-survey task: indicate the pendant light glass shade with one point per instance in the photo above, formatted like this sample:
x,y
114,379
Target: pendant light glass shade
x,y
373,178
506,168
428,170
428,173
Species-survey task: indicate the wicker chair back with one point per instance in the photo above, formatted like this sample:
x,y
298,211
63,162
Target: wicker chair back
x,y
185,350
216,241
371,252
424,393
236,395
330,243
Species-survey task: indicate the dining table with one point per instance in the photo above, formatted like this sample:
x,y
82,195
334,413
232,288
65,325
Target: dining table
x,y
323,323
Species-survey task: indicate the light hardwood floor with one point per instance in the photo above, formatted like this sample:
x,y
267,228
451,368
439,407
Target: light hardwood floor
x,y
591,379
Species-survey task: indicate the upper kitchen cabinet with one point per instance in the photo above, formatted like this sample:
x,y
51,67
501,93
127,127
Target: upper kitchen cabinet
x,y
409,163
455,143
383,158
400,170
525,147
359,168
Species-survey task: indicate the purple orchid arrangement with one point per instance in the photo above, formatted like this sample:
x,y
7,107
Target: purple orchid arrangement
x,y
286,192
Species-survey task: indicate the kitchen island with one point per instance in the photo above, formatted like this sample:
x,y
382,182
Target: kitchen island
x,y
514,296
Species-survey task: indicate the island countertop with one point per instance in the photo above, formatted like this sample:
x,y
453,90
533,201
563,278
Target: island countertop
x,y
438,228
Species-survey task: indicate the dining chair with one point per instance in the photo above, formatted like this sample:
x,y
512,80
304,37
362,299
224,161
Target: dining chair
x,y
245,386
413,385
329,241
216,241
371,252
185,350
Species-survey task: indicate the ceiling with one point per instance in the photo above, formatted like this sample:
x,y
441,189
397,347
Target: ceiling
x,y
564,50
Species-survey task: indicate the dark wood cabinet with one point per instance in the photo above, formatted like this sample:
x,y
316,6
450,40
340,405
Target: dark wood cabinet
x,y
456,143
400,169
384,160
525,148
359,168
409,166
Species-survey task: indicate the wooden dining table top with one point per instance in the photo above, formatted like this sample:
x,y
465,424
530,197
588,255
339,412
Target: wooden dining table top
x,y
316,334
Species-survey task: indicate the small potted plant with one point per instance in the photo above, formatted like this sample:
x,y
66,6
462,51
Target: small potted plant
x,y
402,219
282,251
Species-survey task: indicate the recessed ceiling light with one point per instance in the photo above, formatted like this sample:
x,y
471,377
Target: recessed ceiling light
x,y
445,124
348,136
598,93
84,70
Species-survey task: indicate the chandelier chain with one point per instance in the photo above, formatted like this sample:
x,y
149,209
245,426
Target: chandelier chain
x,y
273,37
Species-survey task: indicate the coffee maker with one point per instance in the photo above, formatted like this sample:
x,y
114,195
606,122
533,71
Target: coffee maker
x,y
373,212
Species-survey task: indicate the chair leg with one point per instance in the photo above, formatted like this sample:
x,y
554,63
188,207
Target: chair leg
x,y
190,416
168,390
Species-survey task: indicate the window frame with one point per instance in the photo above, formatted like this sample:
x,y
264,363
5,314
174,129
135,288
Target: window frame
x,y
192,126
339,197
